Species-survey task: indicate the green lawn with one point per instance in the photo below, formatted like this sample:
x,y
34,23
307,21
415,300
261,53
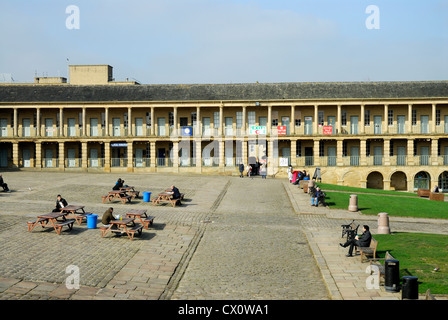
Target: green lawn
x,y
419,254
372,202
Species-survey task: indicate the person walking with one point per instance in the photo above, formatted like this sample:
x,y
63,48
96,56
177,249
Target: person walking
x,y
359,241
290,173
249,170
241,169
263,170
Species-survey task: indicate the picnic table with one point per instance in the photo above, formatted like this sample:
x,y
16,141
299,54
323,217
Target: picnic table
x,y
164,197
51,220
140,214
130,190
77,212
125,225
117,194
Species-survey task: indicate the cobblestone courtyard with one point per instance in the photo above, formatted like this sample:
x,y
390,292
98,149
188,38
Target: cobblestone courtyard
x,y
232,238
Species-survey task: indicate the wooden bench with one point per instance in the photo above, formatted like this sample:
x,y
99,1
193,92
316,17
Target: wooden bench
x,y
137,228
82,216
148,222
349,229
124,198
436,196
32,224
68,223
369,251
423,192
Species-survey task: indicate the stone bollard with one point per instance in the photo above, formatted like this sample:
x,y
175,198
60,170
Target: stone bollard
x,y
353,205
383,223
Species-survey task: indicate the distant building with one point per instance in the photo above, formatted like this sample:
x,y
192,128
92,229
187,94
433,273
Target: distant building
x,y
388,135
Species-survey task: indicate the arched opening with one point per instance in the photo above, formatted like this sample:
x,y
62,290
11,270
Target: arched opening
x,y
375,180
443,181
422,180
398,181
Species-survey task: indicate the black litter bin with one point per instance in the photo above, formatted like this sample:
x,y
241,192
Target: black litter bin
x,y
409,288
392,275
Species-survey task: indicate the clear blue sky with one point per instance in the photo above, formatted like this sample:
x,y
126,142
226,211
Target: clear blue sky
x,y
228,41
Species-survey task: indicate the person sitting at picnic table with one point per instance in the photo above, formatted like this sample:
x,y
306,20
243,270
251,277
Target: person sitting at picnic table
x,y
359,241
60,203
118,184
175,194
4,185
107,217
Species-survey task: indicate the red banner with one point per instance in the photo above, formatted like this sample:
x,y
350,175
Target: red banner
x,y
328,130
281,130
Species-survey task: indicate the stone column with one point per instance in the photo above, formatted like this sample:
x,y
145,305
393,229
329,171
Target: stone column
x,y
38,155
244,151
130,131
84,159
106,125
107,156
339,160
61,156
386,118
434,152
221,153
243,129
83,122
315,120
15,154
175,129
38,128
433,118
152,150
386,152
221,121
316,153
338,120
130,166
410,154
15,129
362,129
269,125
409,119
152,123
362,151
272,166
198,122
61,122
198,155
292,122
293,153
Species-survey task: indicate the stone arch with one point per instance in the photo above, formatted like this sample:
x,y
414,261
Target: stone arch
x,y
399,181
351,178
443,181
375,180
422,180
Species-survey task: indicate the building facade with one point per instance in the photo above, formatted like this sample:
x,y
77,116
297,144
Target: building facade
x,y
387,135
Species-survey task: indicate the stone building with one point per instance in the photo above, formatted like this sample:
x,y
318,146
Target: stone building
x,y
387,135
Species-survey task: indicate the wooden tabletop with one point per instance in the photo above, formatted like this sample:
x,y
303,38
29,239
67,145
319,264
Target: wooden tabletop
x,y
136,211
72,208
52,215
122,222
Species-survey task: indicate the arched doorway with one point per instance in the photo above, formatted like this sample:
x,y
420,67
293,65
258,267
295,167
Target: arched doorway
x,y
375,180
399,181
443,181
422,180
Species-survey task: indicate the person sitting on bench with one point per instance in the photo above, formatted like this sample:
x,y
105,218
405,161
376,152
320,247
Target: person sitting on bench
x,y
176,194
4,185
107,217
118,184
60,203
359,241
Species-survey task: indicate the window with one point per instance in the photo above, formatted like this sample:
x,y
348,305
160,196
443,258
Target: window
x,y
298,148
391,148
148,119
343,118
194,118
103,120
321,148
438,117
414,117
125,120
215,120
320,118
251,118
390,117
344,148
274,122
239,120
183,121
171,119
368,148
298,122
367,118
